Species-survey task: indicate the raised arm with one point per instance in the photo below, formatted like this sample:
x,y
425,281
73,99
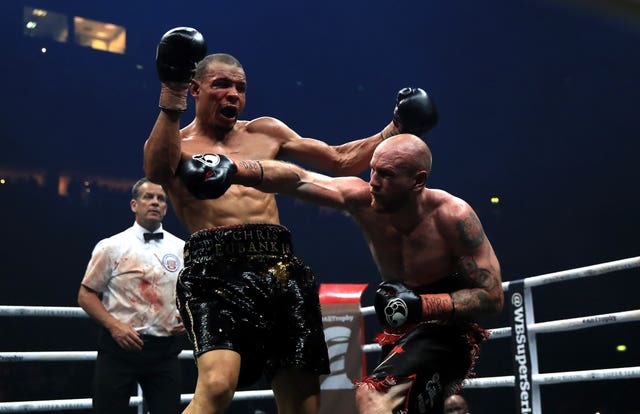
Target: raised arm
x,y
162,148
414,113
177,54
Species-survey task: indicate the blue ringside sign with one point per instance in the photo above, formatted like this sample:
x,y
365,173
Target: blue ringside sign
x,y
521,353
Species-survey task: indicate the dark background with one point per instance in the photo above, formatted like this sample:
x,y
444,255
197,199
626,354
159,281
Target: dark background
x,y
538,105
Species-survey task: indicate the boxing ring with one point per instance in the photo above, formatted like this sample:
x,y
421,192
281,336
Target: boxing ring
x,y
518,301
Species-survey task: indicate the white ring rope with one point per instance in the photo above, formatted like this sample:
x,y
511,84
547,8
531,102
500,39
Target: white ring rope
x,y
85,403
56,311
489,382
571,324
557,377
501,381
541,327
62,356
586,271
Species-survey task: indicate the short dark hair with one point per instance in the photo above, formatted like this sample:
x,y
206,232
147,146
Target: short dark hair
x,y
135,190
225,58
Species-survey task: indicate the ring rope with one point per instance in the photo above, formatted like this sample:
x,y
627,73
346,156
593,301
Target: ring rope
x,y
56,311
586,271
557,377
541,327
67,356
488,382
572,324
85,403
579,272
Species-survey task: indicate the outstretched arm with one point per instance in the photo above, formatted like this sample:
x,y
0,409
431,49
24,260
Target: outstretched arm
x,y
210,175
272,176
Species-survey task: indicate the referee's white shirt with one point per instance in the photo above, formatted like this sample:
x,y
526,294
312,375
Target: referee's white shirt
x,y
137,279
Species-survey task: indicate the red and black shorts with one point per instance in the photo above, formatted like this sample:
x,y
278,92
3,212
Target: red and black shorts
x,y
242,289
437,357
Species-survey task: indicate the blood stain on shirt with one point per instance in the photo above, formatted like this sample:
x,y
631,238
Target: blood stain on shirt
x,y
148,292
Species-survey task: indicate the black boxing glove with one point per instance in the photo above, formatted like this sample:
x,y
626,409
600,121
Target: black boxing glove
x,y
396,305
207,176
415,113
177,54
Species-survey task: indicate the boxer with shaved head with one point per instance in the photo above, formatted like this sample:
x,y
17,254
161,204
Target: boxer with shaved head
x,y
439,271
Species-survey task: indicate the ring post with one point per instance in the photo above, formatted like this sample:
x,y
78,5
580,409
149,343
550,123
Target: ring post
x,y
526,393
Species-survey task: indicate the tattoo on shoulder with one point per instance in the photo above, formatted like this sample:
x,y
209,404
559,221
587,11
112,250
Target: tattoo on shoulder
x,y
470,231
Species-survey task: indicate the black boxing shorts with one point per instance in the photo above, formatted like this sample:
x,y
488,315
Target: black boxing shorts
x,y
242,289
437,357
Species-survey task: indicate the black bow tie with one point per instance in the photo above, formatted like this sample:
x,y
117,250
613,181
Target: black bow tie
x,y
153,236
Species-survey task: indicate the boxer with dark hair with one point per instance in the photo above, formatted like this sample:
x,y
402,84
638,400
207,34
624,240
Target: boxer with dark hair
x,y
249,305
439,270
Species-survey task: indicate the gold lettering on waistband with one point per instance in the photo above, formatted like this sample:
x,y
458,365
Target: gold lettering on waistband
x,y
271,247
266,234
254,234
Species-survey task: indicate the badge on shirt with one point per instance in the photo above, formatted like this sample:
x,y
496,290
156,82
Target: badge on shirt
x,y
170,262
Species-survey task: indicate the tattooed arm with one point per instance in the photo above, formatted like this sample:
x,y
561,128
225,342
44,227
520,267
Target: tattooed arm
x,y
475,261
